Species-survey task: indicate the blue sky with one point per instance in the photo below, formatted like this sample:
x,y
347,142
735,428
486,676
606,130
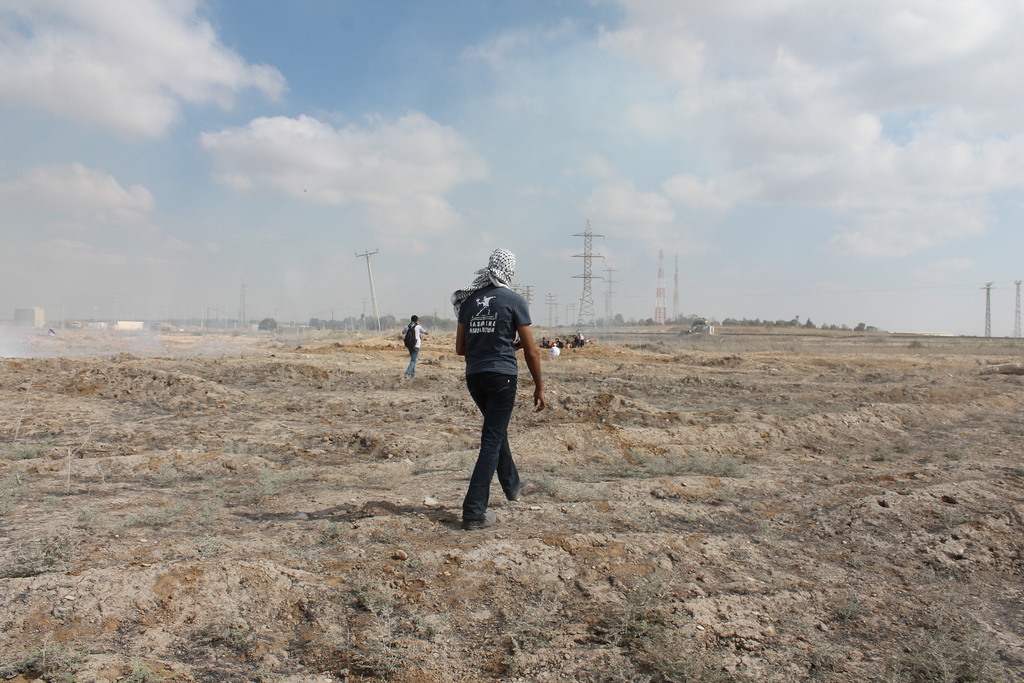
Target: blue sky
x,y
845,161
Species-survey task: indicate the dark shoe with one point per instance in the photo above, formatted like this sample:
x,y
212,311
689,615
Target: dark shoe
x,y
521,490
489,519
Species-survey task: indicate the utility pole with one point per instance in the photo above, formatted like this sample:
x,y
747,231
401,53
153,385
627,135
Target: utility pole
x,y
241,308
587,298
373,296
1016,315
115,311
988,309
552,301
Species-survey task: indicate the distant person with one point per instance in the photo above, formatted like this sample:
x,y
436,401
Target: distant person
x,y
413,334
490,317
555,351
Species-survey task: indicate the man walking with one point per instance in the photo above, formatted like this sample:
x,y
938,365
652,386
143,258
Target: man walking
x,y
413,334
490,317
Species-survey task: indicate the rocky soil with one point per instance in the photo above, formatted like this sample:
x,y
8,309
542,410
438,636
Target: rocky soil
x,y
199,508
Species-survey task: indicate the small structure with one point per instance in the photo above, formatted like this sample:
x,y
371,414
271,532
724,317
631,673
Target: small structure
x,y
29,317
701,326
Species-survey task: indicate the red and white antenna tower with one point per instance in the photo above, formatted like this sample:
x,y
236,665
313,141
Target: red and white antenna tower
x,y
659,304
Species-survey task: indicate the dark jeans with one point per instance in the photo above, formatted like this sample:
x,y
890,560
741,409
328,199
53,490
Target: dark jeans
x,y
413,355
495,395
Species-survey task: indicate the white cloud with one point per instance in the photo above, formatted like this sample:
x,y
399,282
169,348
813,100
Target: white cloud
x,y
897,230
398,171
693,193
940,271
621,204
899,118
616,207
663,47
125,65
502,50
80,191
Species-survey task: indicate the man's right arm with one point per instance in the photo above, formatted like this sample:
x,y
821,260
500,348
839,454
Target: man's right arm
x,y
532,357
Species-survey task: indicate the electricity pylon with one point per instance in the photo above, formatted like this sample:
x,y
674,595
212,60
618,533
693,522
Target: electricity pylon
x,y
586,317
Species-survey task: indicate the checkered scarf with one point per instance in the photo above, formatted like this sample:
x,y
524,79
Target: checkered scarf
x,y
499,271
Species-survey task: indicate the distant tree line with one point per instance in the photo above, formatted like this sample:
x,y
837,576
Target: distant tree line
x,y
795,322
689,320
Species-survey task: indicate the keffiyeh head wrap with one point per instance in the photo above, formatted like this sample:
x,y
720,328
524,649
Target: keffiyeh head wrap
x,y
499,271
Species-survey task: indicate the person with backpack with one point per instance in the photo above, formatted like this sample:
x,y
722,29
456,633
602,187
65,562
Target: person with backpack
x,y
412,334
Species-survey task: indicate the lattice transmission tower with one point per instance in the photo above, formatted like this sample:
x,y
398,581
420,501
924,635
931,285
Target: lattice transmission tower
x,y
1016,314
659,302
586,317
552,301
988,309
525,291
609,313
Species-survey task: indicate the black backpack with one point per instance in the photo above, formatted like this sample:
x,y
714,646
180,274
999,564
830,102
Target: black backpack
x,y
410,337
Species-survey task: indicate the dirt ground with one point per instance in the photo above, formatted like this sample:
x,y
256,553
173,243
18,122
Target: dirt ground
x,y
195,507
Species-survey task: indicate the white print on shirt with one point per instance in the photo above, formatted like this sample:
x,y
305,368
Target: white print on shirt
x,y
484,320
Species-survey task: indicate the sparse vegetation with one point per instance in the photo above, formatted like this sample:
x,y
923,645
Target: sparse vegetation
x,y
848,606
10,490
164,516
269,483
287,511
945,655
54,552
141,673
53,663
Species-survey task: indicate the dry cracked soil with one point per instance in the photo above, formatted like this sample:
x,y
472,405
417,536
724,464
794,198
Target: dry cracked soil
x,y
201,507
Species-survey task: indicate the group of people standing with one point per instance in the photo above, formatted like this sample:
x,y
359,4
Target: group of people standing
x,y
493,324
577,341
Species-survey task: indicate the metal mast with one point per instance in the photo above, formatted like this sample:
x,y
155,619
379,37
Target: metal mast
x,y
1016,316
586,317
659,304
988,309
242,312
373,296
608,312
552,301
525,291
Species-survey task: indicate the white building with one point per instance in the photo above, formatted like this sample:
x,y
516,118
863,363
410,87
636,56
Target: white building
x,y
32,317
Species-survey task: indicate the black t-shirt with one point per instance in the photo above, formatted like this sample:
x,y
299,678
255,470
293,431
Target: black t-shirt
x,y
491,316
